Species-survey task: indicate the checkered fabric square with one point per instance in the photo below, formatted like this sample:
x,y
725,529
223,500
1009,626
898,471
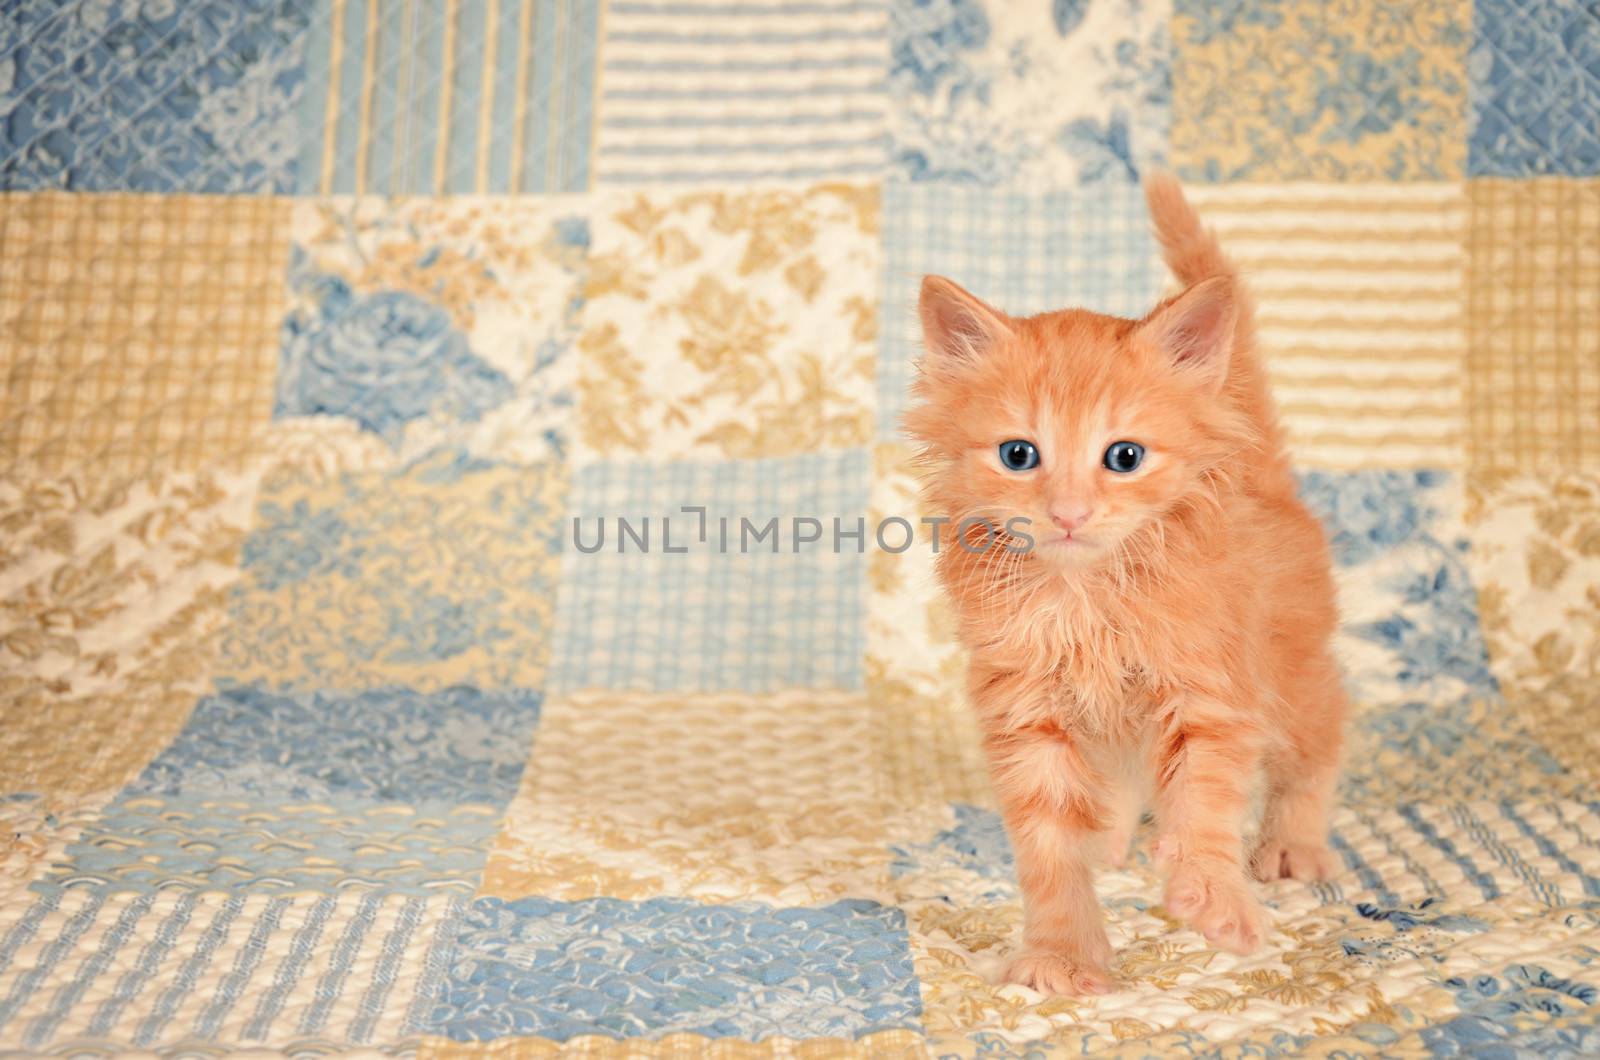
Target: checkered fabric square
x,y
1027,253
717,617
1533,320
136,332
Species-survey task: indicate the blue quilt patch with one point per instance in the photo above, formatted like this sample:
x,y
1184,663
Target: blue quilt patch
x,y
1535,70
1026,252
1410,608
457,745
626,969
740,608
151,95
251,843
394,789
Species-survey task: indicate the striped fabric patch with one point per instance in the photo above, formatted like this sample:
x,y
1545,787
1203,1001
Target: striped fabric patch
x,y
448,96
248,970
1360,296
768,89
1543,852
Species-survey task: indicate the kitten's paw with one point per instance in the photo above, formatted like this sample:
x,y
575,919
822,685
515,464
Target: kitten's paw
x,y
1220,908
1284,860
1057,973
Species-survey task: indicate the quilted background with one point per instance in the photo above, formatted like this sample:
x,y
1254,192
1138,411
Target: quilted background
x,y
321,320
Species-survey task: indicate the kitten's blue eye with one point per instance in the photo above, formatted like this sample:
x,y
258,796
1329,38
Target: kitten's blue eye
x,y
1124,457
1019,455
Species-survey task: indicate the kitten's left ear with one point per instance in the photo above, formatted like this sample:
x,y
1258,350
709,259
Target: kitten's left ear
x,y
1195,330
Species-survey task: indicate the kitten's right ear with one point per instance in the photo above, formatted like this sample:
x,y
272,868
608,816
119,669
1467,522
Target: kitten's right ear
x,y
957,325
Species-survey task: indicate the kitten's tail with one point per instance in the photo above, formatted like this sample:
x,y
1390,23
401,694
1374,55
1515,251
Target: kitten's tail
x,y
1192,251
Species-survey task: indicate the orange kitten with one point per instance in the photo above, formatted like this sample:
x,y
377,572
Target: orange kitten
x,y
1167,636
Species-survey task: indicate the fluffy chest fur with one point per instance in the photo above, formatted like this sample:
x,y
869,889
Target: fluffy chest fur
x,y
1167,612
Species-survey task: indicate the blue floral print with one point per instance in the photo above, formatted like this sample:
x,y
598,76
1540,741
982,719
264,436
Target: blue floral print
x,y
1513,1014
382,359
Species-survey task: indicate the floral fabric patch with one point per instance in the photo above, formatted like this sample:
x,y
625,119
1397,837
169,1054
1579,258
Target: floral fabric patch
x,y
435,322
1035,95
435,574
1355,90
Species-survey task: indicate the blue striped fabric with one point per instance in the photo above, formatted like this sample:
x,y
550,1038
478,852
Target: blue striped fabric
x,y
152,957
1462,859
1399,848
44,1027
1591,885
448,96
207,966
332,983
244,967
196,963
65,941
301,948
700,93
387,970
24,928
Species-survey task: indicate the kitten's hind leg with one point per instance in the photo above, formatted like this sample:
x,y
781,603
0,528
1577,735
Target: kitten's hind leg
x,y
1294,831
1300,784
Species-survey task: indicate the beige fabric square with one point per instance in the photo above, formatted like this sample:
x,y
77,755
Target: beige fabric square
x,y
112,603
712,797
1536,562
916,669
730,325
1359,295
137,332
1533,318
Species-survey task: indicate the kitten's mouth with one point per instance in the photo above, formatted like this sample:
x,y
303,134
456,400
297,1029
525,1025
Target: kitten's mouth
x,y
1068,541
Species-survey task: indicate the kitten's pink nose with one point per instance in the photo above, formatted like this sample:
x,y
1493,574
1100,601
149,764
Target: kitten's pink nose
x,y
1069,518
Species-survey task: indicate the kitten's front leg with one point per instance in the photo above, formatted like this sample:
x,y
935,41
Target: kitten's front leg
x,y
1205,760
1052,803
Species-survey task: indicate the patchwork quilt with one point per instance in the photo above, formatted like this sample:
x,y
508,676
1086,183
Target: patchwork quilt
x,y
333,332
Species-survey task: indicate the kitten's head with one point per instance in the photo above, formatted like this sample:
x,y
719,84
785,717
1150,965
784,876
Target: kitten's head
x,y
1088,426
